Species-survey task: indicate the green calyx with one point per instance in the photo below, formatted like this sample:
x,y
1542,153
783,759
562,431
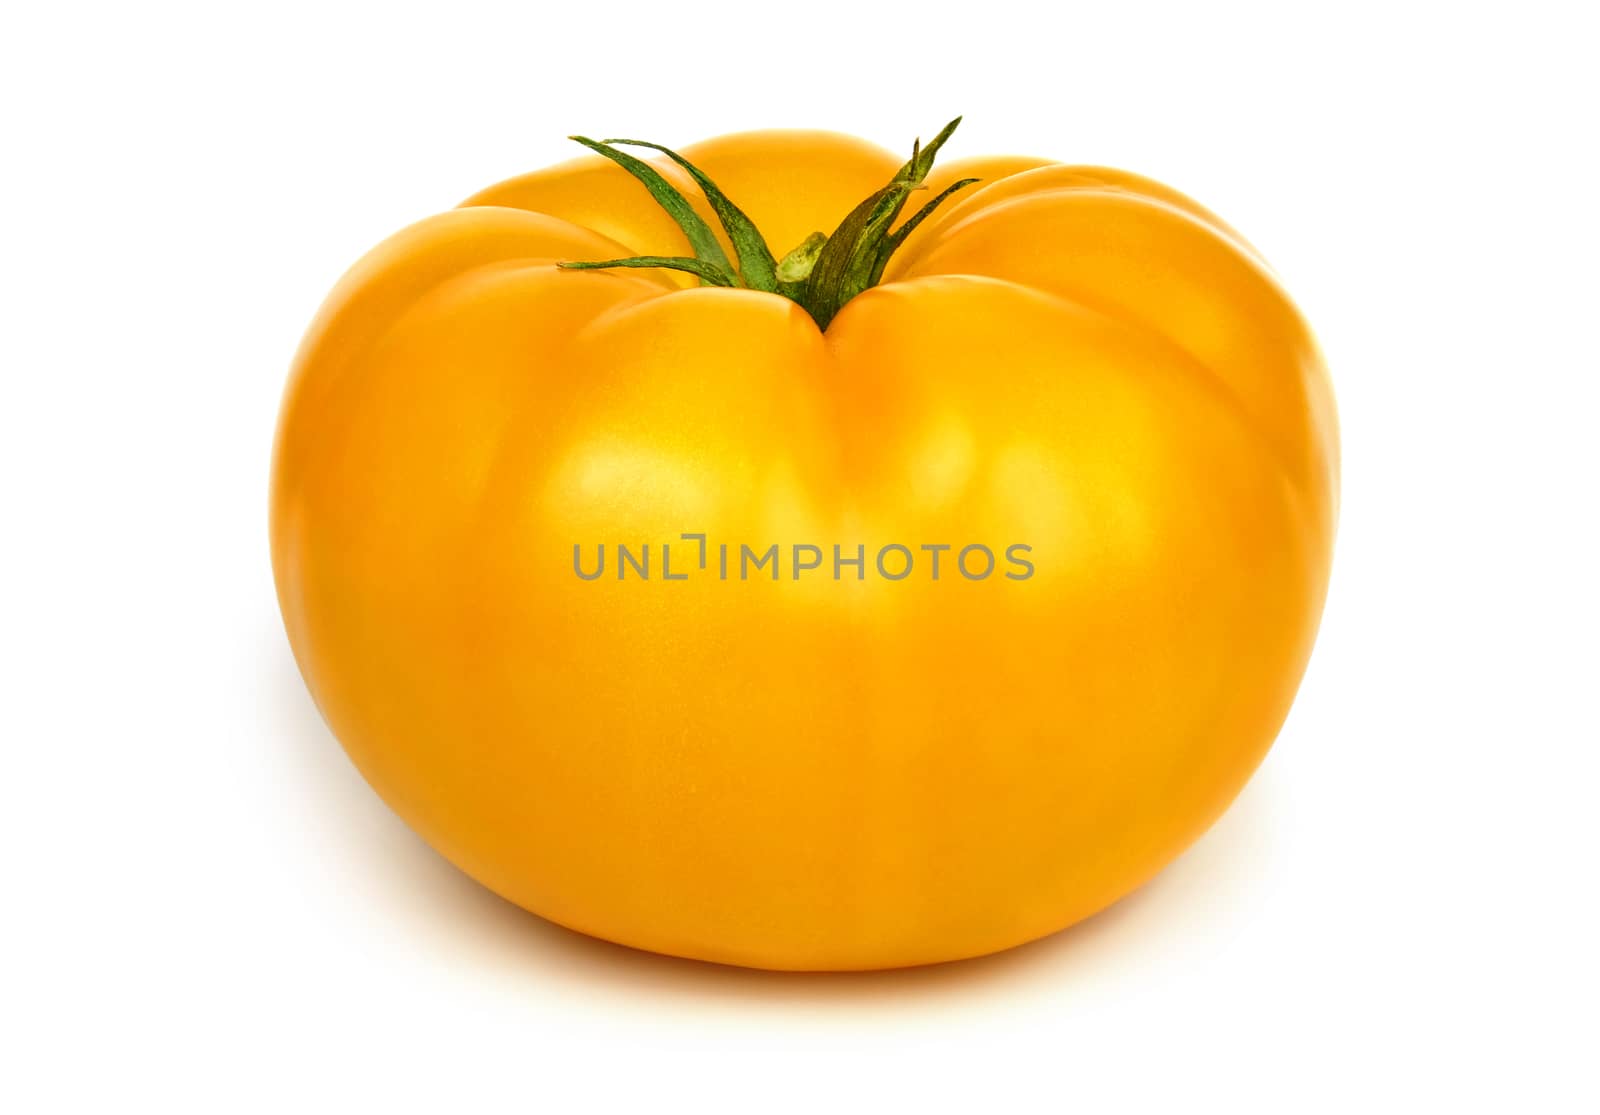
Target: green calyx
x,y
822,273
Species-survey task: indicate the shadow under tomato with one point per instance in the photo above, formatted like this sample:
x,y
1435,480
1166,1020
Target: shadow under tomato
x,y
423,892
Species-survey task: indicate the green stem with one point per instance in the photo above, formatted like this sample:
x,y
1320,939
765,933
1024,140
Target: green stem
x,y
821,274
709,274
898,236
794,270
756,265
859,248
701,238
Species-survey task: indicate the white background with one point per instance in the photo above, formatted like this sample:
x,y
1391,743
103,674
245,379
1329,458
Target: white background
x,y
206,909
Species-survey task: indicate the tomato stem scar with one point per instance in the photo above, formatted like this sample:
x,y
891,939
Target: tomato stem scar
x,y
822,273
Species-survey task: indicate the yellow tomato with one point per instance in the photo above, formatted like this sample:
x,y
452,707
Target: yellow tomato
x,y
822,771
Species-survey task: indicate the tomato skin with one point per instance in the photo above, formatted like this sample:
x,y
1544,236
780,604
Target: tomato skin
x,y
813,773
